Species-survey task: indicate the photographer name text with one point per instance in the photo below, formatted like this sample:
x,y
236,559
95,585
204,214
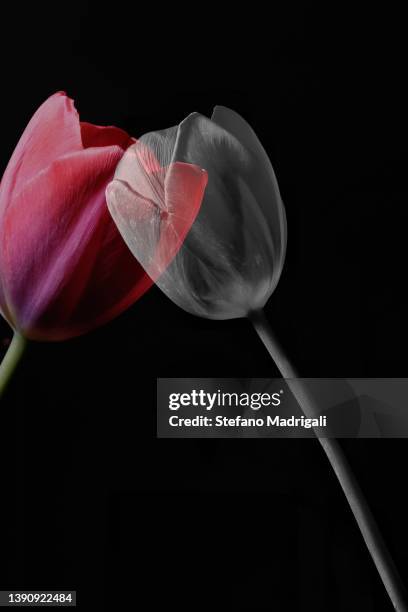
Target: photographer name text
x,y
239,421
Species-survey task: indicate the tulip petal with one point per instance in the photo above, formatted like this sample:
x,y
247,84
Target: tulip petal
x,y
242,200
52,132
236,125
155,227
203,143
141,171
159,146
103,136
265,181
67,269
225,154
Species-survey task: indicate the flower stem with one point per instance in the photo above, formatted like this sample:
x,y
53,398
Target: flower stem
x,y
358,504
11,359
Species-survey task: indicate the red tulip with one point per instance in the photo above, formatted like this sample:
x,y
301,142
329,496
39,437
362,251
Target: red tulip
x,y
64,268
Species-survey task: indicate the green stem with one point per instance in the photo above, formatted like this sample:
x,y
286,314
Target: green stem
x,y
11,359
358,504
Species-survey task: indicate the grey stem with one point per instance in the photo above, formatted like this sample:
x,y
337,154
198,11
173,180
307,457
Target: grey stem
x,y
358,504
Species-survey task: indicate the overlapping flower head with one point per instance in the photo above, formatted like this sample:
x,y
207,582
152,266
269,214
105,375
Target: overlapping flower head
x,y
230,261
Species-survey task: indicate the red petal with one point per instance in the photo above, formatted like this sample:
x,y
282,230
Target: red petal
x,y
65,267
100,136
52,132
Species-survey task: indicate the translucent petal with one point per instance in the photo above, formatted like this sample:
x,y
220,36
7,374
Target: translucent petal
x,y
155,212
240,233
263,182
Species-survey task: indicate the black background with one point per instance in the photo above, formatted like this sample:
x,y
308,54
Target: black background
x,y
90,498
